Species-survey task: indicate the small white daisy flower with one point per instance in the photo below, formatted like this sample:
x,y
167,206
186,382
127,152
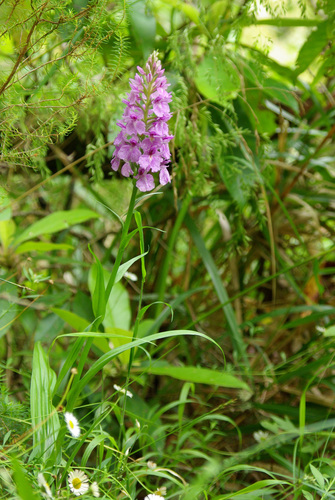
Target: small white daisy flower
x,y
72,424
151,465
161,491
120,389
260,436
43,484
153,496
130,276
78,482
95,489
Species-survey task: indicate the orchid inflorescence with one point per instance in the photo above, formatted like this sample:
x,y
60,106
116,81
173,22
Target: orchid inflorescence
x,y
142,145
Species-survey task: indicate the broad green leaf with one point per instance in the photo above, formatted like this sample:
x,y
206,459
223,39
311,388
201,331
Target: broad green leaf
x,y
318,476
7,230
41,246
144,328
97,288
48,328
217,12
5,214
281,92
189,10
24,487
313,46
329,332
261,119
80,324
216,79
255,76
71,318
124,267
118,312
143,25
200,376
5,209
8,307
239,177
122,337
55,222
44,417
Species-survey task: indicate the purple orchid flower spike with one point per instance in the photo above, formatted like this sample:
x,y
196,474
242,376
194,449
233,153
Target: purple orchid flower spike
x,y
142,146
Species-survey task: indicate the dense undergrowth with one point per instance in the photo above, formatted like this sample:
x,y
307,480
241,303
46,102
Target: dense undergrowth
x,y
208,370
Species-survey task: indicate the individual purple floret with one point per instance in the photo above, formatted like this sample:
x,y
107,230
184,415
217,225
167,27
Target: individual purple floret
x,y
142,146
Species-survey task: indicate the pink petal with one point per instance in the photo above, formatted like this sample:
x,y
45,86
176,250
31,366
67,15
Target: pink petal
x,y
145,183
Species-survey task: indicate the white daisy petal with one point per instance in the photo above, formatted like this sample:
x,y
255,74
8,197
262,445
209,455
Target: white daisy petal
x,y
151,465
95,489
153,496
260,436
78,482
130,276
43,484
72,424
120,389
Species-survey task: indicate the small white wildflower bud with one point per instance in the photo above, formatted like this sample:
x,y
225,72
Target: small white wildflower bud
x,y
151,465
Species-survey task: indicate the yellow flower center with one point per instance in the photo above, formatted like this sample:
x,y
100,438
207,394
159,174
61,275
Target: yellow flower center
x,y
71,424
76,483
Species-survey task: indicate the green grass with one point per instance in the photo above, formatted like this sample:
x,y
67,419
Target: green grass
x,y
208,372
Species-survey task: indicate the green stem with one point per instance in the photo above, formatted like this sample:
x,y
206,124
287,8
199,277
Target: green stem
x,y
123,244
132,352
110,284
131,359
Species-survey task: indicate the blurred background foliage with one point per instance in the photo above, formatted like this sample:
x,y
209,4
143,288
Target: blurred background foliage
x,y
244,250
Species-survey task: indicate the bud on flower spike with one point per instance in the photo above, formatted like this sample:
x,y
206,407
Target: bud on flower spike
x,y
142,145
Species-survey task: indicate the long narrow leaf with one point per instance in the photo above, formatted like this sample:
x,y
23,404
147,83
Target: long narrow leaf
x,y
44,418
106,358
220,289
200,375
55,222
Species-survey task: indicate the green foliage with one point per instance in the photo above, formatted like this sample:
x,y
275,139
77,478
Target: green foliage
x,y
191,333
44,418
53,54
13,415
23,485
